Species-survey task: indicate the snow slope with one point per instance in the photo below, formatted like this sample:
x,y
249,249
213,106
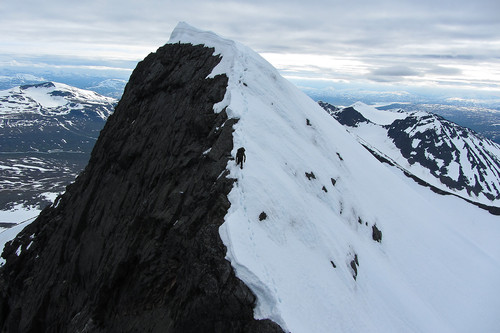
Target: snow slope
x,y
436,268
377,116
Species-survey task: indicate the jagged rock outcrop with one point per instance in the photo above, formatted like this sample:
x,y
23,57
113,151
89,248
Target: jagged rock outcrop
x,y
348,117
133,244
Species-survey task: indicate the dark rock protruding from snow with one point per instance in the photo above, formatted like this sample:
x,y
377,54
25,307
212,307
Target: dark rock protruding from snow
x,y
376,234
349,117
310,175
354,266
328,107
133,244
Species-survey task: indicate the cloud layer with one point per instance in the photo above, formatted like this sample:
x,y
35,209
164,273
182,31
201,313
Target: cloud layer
x,y
412,42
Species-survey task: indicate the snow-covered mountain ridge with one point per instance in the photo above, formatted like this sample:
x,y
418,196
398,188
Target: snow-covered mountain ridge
x,y
322,194
439,152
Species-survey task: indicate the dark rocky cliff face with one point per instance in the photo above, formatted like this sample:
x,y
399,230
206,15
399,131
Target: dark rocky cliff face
x,y
133,244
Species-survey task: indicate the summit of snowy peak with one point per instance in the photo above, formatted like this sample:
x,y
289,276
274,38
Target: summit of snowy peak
x,y
185,33
244,68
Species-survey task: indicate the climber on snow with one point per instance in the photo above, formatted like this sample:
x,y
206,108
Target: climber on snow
x,y
240,157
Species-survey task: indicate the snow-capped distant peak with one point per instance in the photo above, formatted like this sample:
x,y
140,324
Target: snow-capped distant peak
x,y
52,99
185,33
56,89
443,154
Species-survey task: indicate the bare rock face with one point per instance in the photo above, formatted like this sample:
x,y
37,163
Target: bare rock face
x,y
133,244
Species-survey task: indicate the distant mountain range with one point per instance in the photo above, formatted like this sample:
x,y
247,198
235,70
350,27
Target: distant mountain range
x,y
47,131
438,152
19,79
110,87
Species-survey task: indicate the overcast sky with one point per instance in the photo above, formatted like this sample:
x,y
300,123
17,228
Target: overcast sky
x,y
444,43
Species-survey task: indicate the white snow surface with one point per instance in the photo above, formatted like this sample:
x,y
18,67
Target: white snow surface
x,y
7,235
376,116
437,268
20,215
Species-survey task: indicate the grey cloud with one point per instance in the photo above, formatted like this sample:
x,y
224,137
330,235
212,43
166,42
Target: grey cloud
x,y
440,70
394,71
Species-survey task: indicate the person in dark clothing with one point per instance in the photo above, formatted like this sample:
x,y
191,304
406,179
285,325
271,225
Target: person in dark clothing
x,y
240,157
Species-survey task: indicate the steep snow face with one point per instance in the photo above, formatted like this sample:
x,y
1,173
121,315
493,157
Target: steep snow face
x,y
450,157
308,203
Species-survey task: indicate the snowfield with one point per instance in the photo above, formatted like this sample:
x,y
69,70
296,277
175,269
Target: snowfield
x,y
436,268
376,116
